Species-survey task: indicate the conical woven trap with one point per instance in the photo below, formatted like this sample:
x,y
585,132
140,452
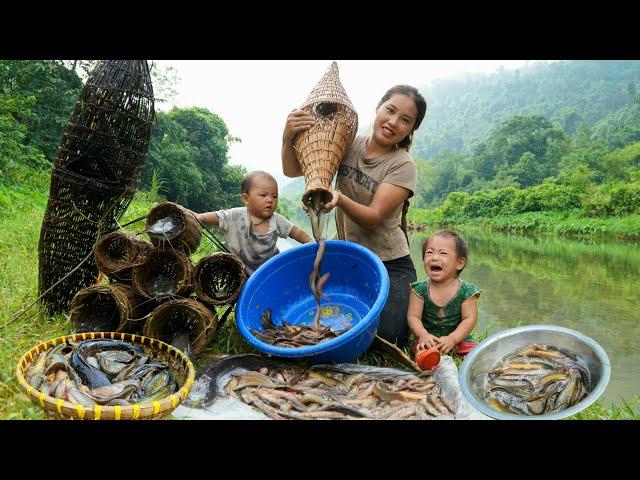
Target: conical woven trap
x,y
116,254
95,175
184,315
321,149
110,308
218,278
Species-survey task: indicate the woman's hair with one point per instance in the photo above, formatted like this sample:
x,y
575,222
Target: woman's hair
x,y
421,107
462,250
247,180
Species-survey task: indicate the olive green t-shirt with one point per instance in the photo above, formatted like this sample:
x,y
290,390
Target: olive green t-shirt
x,y
359,178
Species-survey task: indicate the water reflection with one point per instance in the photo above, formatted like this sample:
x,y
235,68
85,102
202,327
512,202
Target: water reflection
x,y
590,287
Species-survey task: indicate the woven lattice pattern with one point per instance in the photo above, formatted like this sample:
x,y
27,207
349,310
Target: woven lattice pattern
x,y
106,308
218,278
116,254
180,229
184,315
95,174
162,273
321,148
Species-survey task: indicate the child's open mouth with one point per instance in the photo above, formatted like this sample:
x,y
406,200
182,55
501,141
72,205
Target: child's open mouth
x,y
436,268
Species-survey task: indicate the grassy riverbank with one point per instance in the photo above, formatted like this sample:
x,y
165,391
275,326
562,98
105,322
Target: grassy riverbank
x,y
23,197
557,223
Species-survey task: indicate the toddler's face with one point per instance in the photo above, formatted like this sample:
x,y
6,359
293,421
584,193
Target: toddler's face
x,y
262,199
440,259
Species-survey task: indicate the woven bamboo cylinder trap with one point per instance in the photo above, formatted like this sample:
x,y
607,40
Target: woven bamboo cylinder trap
x,y
321,149
184,315
218,278
116,254
95,175
162,273
178,362
172,226
107,308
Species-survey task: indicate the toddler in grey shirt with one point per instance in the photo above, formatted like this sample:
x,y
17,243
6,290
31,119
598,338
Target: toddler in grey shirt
x,y
253,230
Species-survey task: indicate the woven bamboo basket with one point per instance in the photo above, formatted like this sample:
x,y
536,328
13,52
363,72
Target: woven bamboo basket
x,y
178,361
162,273
185,236
218,278
116,254
321,149
110,308
95,175
183,315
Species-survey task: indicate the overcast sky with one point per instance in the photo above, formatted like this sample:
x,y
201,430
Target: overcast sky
x,y
254,97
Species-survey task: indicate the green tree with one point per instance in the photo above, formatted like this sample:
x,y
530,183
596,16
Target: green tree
x,y
188,150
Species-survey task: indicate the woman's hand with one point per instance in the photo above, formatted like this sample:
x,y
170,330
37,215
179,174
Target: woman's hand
x,y
426,341
335,200
297,121
445,344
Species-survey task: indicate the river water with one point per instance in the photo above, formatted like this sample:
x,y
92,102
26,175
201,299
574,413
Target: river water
x,y
588,286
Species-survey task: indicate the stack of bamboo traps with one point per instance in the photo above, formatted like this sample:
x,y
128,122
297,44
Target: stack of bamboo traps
x,y
95,175
153,286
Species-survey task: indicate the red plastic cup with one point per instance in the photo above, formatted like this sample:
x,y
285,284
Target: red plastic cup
x,y
428,359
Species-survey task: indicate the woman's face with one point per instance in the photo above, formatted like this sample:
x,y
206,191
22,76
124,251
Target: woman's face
x,y
394,120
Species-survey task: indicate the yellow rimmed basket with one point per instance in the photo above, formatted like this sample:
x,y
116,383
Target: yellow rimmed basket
x,y
178,362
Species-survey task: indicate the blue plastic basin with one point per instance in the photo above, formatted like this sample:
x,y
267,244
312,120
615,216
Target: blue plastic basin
x,y
357,290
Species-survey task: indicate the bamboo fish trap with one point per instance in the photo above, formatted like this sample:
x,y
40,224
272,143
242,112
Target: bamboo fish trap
x,y
111,308
184,315
321,149
176,227
117,253
162,273
178,361
218,278
95,175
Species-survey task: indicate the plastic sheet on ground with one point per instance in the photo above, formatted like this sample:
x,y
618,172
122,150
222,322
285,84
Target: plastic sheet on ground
x,y
230,408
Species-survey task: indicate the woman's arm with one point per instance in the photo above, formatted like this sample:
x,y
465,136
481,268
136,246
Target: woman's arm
x,y
387,198
299,235
297,121
469,312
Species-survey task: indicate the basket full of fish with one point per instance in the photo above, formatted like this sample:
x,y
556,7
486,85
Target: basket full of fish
x,y
253,387
110,376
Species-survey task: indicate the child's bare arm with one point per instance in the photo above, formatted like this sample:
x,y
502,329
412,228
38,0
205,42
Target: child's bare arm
x,y
414,320
208,218
300,235
469,312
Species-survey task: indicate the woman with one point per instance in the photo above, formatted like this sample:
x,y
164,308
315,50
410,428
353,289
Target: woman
x,y
374,183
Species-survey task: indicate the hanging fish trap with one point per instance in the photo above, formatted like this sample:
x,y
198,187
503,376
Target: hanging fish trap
x,y
321,149
171,225
107,308
116,254
162,273
218,278
184,317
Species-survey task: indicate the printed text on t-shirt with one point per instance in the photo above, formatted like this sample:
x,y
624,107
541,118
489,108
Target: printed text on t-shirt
x,y
359,177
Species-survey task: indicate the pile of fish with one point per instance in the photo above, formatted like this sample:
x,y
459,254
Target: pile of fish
x,y
101,372
332,393
536,379
293,336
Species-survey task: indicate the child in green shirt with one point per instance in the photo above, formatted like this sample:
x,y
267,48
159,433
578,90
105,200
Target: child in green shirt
x,y
442,309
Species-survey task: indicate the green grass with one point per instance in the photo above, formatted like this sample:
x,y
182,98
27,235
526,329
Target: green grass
x,y
558,223
23,197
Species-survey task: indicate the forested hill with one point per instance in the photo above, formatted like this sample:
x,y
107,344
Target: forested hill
x,y
462,110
